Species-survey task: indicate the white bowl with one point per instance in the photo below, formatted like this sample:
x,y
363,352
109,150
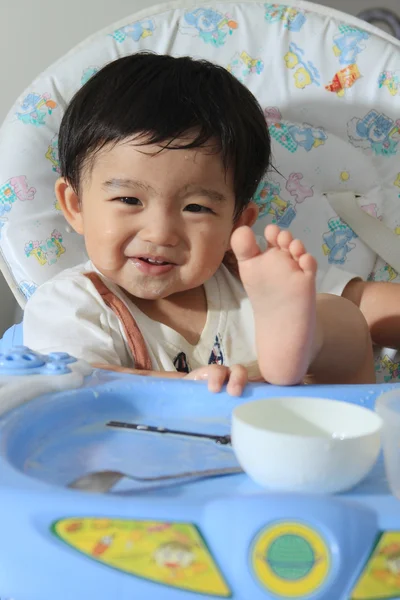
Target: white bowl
x,y
305,444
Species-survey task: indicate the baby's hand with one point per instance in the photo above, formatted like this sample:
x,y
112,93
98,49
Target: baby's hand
x,y
236,378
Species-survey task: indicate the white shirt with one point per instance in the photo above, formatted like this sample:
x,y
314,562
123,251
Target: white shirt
x,y
67,314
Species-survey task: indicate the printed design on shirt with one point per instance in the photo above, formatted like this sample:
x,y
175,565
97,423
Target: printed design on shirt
x,y
293,137
337,241
270,202
242,65
305,73
211,26
216,356
52,154
134,31
391,81
46,252
88,73
375,133
291,18
34,109
13,189
181,363
388,369
27,288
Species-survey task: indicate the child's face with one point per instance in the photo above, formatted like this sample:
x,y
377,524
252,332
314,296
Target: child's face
x,y
155,224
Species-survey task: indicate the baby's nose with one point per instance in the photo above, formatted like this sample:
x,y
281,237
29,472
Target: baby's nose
x,y
163,232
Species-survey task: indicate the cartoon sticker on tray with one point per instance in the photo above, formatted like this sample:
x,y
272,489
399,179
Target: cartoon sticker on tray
x,y
172,554
380,578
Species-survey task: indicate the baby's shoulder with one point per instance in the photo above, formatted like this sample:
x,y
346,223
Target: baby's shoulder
x,y
66,285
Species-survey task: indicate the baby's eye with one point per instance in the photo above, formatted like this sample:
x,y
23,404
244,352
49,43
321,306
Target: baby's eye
x,y
198,208
129,200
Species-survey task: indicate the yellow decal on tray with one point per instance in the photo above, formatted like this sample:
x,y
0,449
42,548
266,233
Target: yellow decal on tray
x,y
380,579
172,554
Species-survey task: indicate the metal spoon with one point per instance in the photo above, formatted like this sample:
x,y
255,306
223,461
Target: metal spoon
x,y
104,481
219,439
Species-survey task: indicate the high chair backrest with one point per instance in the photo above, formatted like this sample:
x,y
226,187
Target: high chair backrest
x,y
329,85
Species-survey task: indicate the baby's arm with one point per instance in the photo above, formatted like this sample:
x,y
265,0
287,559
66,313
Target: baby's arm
x,y
235,377
380,304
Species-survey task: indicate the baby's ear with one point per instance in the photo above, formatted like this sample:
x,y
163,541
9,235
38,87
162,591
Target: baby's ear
x,y
248,216
70,204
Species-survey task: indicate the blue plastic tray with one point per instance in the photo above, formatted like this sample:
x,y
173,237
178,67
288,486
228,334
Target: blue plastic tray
x,y
54,439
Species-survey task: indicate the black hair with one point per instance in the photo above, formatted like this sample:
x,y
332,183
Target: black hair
x,y
161,99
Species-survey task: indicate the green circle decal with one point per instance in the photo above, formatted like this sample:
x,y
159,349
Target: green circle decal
x,y
290,557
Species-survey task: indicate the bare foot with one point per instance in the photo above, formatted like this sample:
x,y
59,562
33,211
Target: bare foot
x,y
281,286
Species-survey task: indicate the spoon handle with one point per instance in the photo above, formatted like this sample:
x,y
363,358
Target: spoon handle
x,y
219,439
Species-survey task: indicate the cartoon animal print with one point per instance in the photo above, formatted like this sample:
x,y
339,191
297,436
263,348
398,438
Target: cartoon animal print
x,y
391,81
376,133
372,209
292,137
297,189
348,43
47,252
268,199
292,18
385,273
343,80
52,154
242,65
388,369
305,73
34,109
14,189
337,242
211,26
88,74
135,31
27,288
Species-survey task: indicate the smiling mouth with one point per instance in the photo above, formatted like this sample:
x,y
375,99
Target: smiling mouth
x,y
152,261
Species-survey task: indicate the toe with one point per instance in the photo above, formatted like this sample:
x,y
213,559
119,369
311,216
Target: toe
x,y
308,264
297,249
271,233
244,244
284,239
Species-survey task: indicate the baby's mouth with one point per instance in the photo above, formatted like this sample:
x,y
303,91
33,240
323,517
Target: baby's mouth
x,y
152,261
